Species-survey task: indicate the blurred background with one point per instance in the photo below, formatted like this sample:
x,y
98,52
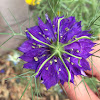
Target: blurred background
x,y
15,17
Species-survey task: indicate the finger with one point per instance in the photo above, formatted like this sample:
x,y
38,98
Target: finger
x,y
95,62
79,92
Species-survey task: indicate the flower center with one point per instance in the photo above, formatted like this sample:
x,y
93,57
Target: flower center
x,y
57,49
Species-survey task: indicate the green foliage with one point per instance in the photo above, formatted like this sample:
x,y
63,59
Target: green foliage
x,y
86,11
92,82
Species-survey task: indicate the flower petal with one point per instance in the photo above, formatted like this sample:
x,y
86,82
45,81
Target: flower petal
x,y
47,29
37,32
26,46
50,77
36,52
31,65
85,65
75,45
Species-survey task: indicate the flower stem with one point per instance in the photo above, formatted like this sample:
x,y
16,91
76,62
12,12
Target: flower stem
x,y
13,34
71,55
39,40
43,64
69,75
82,37
59,20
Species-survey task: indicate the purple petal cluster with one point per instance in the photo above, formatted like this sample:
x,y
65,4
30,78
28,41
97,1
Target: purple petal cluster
x,y
53,71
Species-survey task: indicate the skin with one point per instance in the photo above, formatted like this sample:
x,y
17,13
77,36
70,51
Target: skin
x,y
80,93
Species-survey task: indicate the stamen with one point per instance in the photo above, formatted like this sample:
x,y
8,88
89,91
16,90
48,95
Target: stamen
x,y
68,59
55,33
43,35
61,36
50,62
72,63
47,38
51,41
39,46
71,49
43,55
39,32
57,72
33,46
46,29
77,51
59,69
67,29
47,68
55,60
74,36
53,26
35,58
34,43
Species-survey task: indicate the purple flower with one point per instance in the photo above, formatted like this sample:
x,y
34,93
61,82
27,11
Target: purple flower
x,y
57,50
2,71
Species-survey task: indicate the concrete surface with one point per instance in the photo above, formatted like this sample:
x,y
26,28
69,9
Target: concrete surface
x,y
21,12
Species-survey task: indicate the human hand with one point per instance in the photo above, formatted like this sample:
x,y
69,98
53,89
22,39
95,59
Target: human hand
x,y
79,92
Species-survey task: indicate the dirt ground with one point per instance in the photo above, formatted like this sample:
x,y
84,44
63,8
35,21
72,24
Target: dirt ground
x,y
12,89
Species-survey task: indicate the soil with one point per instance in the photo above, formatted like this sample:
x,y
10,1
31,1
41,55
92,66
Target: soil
x,y
12,88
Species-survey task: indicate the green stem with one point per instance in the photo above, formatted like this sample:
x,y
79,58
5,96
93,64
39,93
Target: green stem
x,y
13,34
59,20
69,75
14,18
96,56
7,23
43,64
82,37
6,41
71,54
39,40
25,89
